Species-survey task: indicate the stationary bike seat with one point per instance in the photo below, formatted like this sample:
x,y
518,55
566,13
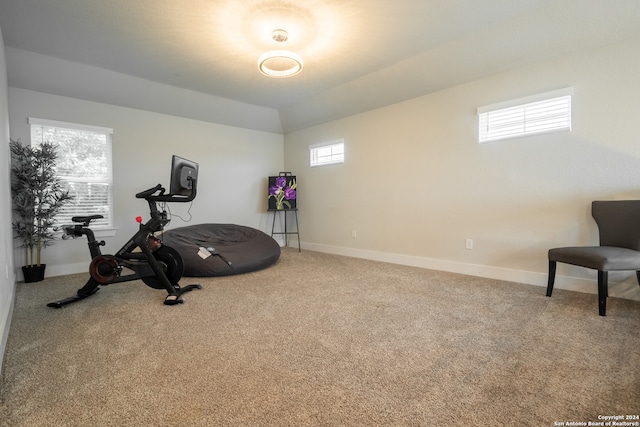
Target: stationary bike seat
x,y
86,219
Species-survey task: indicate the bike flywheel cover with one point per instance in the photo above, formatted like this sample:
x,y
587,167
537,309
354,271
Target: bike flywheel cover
x,y
171,263
104,269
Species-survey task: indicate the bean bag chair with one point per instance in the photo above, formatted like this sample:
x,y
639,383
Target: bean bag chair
x,y
222,249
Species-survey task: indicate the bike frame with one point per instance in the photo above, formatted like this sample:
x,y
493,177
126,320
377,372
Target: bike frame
x,y
143,264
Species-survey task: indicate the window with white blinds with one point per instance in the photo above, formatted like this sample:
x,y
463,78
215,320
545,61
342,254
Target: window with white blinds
x,y
84,164
327,153
542,113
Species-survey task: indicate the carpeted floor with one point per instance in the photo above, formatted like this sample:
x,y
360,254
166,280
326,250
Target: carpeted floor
x,y
320,340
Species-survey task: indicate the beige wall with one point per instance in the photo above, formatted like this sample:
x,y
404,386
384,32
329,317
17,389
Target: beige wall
x,y
416,184
7,277
234,166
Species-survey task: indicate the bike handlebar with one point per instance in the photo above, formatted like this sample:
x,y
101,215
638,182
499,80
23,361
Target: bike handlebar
x,y
146,193
161,197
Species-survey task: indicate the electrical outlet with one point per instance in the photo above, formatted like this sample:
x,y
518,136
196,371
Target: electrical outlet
x,y
468,244
354,234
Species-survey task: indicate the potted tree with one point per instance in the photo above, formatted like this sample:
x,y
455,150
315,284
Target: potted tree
x,y
38,195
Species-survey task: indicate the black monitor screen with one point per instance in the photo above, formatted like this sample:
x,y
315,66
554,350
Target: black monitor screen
x,y
183,175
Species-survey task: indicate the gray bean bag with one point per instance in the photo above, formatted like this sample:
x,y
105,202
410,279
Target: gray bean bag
x,y
222,249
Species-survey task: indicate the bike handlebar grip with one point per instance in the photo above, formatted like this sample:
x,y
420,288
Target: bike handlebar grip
x,y
146,193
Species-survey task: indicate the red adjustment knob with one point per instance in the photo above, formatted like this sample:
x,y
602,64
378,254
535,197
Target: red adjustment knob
x,y
139,219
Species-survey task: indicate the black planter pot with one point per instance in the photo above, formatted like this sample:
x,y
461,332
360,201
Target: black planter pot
x,y
33,273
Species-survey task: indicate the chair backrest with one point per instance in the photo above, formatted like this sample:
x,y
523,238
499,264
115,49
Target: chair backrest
x,y
618,222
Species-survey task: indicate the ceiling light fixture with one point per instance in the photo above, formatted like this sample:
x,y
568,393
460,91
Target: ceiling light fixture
x,y
280,63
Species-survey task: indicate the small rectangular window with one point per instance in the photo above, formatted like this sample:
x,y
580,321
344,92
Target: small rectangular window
x,y
327,153
542,113
85,166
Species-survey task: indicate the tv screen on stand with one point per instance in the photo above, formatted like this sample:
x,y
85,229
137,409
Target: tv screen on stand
x,y
184,174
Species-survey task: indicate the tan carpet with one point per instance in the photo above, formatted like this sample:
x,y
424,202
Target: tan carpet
x,y
320,340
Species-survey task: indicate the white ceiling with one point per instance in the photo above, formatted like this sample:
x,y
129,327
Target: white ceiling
x,y
359,54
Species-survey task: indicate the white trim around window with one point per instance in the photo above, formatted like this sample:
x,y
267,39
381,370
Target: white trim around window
x,y
67,125
85,167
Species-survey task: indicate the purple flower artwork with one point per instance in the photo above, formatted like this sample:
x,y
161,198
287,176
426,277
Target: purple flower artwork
x,y
282,192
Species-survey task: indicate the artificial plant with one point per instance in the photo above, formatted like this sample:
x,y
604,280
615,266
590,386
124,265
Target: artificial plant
x,y
38,196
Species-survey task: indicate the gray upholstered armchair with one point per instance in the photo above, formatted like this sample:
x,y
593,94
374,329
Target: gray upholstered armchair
x,y
619,229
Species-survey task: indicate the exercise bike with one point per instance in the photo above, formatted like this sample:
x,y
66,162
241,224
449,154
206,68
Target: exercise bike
x,y
144,256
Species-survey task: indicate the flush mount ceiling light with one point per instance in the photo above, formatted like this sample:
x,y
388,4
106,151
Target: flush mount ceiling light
x,y
280,63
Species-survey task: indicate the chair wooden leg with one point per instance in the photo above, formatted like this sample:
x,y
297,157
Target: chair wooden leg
x,y
603,291
552,277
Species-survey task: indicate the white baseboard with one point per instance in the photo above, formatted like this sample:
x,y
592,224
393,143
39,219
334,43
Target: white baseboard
x,y
58,270
627,289
5,322
62,270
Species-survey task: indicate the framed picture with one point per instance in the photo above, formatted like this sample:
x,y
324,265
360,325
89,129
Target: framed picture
x,y
282,192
